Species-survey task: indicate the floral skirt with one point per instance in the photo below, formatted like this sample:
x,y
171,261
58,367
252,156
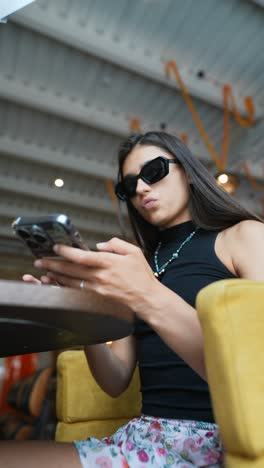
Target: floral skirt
x,y
146,442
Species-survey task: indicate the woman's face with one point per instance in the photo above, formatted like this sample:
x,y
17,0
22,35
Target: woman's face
x,y
164,203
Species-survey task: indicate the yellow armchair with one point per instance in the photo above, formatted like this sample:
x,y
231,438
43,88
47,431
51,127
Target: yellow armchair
x,y
83,408
232,317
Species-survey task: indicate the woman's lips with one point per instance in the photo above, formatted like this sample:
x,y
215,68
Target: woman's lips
x,y
148,204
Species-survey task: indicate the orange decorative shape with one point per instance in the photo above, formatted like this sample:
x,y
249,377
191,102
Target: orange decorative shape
x,y
221,161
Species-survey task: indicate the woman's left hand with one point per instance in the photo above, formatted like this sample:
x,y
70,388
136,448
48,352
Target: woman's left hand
x,y
118,271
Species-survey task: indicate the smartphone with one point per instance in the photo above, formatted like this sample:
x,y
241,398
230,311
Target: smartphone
x,y
42,232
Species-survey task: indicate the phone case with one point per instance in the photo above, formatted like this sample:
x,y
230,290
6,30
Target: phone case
x,y
41,233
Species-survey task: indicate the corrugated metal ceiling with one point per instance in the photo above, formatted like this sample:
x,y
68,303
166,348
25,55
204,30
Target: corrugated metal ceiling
x,y
73,74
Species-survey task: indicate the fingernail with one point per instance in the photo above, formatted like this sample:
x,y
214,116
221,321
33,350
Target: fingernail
x,y
38,263
55,248
43,279
101,245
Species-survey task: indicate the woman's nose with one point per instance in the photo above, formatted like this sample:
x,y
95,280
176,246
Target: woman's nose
x,y
142,186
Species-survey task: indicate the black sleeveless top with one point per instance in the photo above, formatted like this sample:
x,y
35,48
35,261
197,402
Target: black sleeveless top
x,y
170,388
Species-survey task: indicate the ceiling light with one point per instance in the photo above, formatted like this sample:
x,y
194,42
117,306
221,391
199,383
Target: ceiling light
x,y
222,178
59,183
228,181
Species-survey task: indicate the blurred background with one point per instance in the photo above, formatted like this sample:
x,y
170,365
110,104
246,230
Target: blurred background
x,y
77,77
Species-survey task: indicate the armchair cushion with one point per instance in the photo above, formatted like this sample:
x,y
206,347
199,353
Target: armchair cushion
x,y
83,408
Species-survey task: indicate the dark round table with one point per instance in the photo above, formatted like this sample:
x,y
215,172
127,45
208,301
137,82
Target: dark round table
x,y
36,318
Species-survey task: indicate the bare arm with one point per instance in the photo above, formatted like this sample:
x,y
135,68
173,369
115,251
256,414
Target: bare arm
x,y
178,325
112,366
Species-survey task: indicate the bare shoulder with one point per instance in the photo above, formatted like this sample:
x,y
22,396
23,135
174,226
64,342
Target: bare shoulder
x,y
244,232
245,242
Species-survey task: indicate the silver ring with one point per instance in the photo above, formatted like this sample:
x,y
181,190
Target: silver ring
x,y
82,284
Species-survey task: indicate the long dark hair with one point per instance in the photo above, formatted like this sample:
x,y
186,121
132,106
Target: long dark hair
x,y
211,207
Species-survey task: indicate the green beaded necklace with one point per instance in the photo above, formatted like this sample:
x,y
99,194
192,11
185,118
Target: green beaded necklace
x,y
160,270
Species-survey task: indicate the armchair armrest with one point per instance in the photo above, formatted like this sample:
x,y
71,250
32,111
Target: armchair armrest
x,y
232,318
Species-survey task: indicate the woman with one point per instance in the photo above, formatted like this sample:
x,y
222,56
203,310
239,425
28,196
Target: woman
x,y
190,234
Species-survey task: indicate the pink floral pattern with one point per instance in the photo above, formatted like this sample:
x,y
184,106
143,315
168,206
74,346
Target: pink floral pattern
x,y
104,462
148,442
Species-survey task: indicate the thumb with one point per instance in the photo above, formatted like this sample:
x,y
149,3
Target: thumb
x,y
116,245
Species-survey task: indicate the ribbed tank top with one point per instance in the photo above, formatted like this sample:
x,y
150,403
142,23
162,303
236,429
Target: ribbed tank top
x,y
170,388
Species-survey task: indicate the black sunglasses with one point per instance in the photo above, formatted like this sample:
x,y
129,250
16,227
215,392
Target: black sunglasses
x,y
151,172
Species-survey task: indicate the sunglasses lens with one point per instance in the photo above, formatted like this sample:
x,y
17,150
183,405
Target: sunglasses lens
x,y
154,171
127,188
130,185
119,191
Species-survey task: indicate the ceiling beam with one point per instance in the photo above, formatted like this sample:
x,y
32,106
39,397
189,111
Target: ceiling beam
x,y
102,120
54,158
46,21
13,184
63,107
